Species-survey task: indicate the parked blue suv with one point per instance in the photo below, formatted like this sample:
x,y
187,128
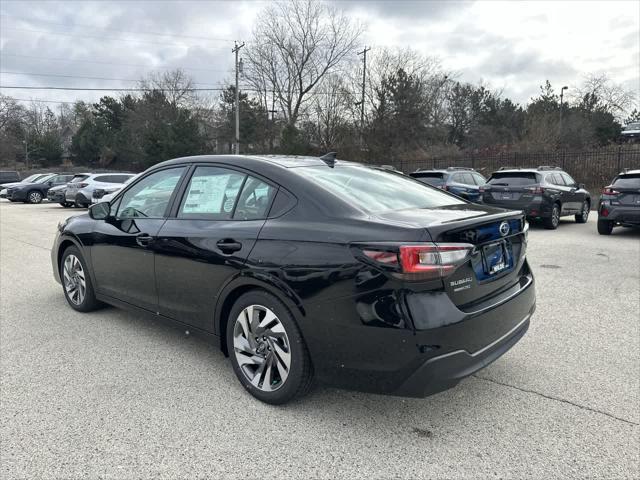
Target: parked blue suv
x,y
461,181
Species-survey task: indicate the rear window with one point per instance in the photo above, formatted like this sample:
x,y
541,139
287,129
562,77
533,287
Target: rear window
x,y
435,179
112,178
513,179
375,191
627,181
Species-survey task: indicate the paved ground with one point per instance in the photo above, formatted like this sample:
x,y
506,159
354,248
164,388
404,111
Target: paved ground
x,y
111,395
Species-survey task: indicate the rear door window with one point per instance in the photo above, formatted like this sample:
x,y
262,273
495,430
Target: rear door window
x,y
513,179
211,194
467,179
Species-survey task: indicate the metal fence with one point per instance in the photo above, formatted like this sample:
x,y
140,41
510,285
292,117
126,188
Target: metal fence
x,y
595,168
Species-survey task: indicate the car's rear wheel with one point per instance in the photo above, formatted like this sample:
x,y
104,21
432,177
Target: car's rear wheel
x,y
76,281
80,203
34,197
266,349
605,227
552,222
66,204
583,216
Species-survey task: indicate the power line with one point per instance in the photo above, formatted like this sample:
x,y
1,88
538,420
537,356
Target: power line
x,y
102,37
175,35
97,62
85,78
16,87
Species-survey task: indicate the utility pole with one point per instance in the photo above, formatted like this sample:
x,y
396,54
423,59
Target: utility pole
x,y
561,109
364,79
235,50
26,153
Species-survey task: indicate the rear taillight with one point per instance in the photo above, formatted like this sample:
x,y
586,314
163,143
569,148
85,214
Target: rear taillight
x,y
536,190
425,261
482,190
610,191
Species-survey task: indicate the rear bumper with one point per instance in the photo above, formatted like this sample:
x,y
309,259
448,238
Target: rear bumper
x,y
534,209
621,214
447,344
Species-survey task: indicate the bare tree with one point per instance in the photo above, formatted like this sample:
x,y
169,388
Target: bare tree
x,y
176,85
331,106
295,45
611,97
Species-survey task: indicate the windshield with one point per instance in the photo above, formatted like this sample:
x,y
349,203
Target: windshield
x,y
33,178
627,181
376,191
434,179
45,178
632,126
513,179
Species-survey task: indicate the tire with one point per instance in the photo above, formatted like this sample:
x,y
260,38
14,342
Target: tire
x,y
79,202
82,300
584,215
605,227
66,204
263,352
552,222
34,196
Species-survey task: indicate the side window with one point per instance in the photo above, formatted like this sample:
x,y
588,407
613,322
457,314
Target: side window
x,y
467,179
211,194
254,200
554,179
457,178
150,196
480,180
567,179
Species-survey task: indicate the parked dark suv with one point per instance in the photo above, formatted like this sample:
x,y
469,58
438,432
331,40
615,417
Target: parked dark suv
x,y
9,177
36,191
546,193
463,182
620,202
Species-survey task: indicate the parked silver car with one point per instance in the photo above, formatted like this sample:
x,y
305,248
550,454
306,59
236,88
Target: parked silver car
x,y
80,194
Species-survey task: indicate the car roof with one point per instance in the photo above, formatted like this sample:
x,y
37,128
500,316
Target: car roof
x,y
630,172
285,161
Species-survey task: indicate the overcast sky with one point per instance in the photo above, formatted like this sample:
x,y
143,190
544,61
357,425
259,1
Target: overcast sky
x,y
513,46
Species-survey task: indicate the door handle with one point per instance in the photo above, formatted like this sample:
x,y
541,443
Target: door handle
x,y
228,245
144,240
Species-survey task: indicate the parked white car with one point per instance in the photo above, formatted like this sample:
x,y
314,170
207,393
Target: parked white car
x,y
81,194
107,193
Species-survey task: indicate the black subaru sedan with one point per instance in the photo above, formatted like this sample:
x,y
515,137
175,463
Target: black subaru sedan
x,y
307,268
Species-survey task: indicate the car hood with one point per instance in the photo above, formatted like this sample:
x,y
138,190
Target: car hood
x,y
59,187
12,184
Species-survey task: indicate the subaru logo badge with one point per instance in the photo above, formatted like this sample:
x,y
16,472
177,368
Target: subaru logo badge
x,y
504,229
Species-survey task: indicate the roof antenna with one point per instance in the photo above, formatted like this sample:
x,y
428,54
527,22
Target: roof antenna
x,y
329,159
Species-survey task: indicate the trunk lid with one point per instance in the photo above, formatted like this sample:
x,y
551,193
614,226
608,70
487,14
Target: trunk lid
x,y
499,241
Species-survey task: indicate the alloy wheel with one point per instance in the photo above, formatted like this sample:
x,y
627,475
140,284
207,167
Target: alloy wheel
x,y
74,279
555,216
261,347
35,197
585,211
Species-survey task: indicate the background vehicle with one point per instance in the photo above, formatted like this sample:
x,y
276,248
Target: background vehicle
x,y
34,192
631,132
58,194
464,182
304,266
9,177
29,179
620,202
107,193
80,193
546,193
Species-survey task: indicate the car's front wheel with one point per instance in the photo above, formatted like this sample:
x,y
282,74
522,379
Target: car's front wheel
x,y
76,281
583,216
266,349
605,227
34,197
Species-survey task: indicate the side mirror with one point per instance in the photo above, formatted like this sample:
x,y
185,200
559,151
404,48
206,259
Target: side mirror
x,y
49,183
100,211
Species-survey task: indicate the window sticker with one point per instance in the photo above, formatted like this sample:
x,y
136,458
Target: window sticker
x,y
207,193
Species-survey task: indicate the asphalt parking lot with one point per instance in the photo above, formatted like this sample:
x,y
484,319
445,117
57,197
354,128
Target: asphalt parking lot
x,y
111,395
